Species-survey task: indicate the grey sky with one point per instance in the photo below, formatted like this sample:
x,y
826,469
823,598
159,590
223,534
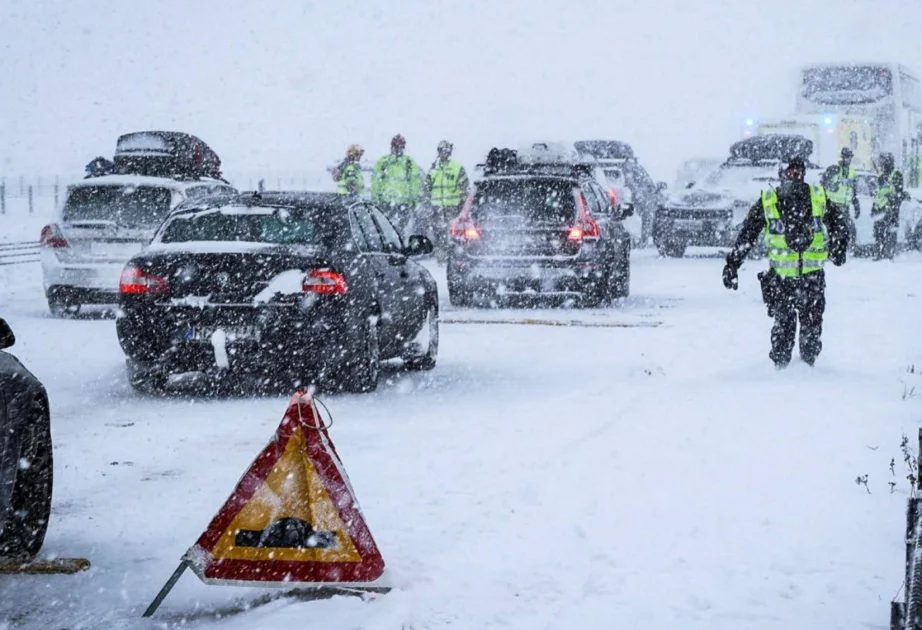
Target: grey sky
x,y
287,85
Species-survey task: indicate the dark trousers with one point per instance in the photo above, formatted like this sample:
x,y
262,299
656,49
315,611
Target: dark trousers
x,y
885,237
802,299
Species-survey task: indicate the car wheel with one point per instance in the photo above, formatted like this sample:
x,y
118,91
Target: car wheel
x,y
145,379
22,531
62,308
621,279
361,370
671,249
426,357
459,294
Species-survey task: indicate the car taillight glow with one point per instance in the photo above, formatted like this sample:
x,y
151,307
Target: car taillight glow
x,y
53,237
136,281
324,282
463,226
586,228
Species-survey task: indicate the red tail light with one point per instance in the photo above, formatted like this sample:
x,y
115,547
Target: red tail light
x,y
53,237
324,282
613,196
586,228
136,281
463,226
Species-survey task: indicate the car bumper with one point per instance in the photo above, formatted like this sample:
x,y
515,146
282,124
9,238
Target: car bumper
x,y
564,275
255,339
709,232
98,277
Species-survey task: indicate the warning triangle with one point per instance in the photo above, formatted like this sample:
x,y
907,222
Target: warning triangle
x,y
293,517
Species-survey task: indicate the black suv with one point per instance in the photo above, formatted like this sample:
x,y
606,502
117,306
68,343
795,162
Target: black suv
x,y
317,286
539,228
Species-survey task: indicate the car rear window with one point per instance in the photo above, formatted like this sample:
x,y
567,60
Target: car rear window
x,y
280,227
529,200
128,206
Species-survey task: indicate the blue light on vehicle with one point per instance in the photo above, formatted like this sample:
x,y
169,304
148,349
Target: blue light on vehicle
x,y
749,122
828,120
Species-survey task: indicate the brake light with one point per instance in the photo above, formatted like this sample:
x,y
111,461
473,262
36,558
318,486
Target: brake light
x,y
586,228
53,237
324,282
136,281
613,196
463,226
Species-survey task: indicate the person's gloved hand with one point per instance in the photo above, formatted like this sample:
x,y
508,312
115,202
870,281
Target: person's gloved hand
x,y
838,257
731,279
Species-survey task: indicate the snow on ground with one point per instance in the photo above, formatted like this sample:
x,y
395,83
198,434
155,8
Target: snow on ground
x,y
539,477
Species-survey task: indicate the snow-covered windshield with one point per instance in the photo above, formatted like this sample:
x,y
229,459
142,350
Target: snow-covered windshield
x,y
531,200
282,227
731,177
132,206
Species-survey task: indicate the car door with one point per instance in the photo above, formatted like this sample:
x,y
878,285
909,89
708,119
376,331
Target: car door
x,y
373,242
603,212
403,279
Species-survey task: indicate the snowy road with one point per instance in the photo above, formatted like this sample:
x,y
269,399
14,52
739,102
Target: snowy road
x,y
539,477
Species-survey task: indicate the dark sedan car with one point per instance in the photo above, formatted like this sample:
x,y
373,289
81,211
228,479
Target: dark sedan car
x,y
316,286
25,456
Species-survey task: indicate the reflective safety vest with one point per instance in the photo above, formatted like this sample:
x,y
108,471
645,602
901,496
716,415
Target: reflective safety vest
x,y
351,180
396,180
884,193
786,262
840,188
445,182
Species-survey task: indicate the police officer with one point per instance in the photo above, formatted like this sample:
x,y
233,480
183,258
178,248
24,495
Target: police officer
x,y
803,228
839,180
448,186
348,174
886,209
397,185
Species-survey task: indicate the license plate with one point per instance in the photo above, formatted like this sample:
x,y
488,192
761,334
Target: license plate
x,y
115,250
233,333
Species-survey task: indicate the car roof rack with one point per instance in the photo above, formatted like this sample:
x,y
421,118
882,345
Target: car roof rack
x,y
508,162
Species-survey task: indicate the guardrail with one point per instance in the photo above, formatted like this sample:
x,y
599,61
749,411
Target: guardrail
x,y
19,253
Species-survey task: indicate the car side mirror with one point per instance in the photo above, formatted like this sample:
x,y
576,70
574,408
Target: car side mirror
x,y
7,338
418,245
627,210
690,185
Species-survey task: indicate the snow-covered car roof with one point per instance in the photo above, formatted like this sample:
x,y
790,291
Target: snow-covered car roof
x,y
143,180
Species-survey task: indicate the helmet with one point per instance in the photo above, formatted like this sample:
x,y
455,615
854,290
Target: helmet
x,y
445,145
354,151
398,141
886,160
847,153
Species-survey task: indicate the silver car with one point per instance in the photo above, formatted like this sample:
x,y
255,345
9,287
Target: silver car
x,y
103,222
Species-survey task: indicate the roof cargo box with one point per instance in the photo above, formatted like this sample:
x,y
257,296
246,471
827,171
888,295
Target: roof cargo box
x,y
772,146
165,154
605,149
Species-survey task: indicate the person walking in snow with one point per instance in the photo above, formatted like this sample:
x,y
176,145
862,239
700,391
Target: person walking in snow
x,y
348,173
397,185
803,229
448,187
885,212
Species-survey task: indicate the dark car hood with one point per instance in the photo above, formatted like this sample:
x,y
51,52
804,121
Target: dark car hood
x,y
702,198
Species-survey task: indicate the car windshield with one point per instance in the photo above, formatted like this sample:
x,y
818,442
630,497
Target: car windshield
x,y
129,206
528,200
280,227
735,176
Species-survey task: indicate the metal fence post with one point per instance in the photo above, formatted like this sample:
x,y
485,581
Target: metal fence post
x,y
3,198
30,199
